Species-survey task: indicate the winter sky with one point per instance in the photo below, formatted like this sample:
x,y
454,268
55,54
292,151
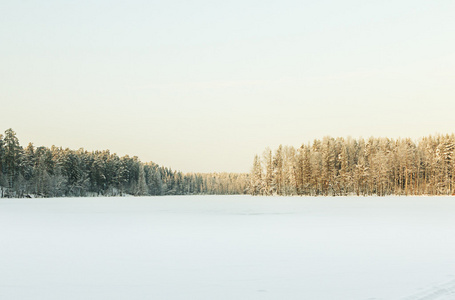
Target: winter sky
x,y
205,85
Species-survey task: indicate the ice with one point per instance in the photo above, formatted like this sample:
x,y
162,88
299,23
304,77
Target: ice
x,y
228,247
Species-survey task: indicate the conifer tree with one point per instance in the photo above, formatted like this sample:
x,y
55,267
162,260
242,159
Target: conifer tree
x,y
12,156
256,184
141,185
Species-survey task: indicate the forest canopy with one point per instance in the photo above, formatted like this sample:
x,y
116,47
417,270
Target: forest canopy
x,y
327,167
376,166
57,172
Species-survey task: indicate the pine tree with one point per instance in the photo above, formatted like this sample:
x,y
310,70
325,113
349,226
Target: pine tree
x,y
28,168
141,184
268,176
256,181
12,156
278,175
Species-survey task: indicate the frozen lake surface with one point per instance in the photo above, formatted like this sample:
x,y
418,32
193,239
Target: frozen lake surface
x,y
228,247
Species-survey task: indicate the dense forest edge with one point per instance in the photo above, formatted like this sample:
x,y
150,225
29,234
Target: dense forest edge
x,y
57,172
327,167
375,166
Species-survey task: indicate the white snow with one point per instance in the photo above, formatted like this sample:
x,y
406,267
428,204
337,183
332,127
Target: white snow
x,y
228,247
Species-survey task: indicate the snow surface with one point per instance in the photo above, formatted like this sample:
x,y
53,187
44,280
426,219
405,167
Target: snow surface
x,y
228,247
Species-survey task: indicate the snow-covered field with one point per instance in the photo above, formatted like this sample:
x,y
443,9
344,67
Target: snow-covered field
x,y
228,247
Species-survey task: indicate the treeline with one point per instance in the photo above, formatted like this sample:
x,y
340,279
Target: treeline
x,y
57,172
377,166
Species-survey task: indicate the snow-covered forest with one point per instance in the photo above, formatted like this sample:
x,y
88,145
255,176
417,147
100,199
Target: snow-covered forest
x,y
57,172
331,166
376,166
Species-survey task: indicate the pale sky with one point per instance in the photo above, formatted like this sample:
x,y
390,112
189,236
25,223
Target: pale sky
x,y
205,85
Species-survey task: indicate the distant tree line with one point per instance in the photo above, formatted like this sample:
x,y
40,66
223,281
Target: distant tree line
x,y
57,172
376,166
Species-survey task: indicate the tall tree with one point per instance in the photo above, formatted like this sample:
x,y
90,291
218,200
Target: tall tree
x,y
12,156
256,184
267,160
141,189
